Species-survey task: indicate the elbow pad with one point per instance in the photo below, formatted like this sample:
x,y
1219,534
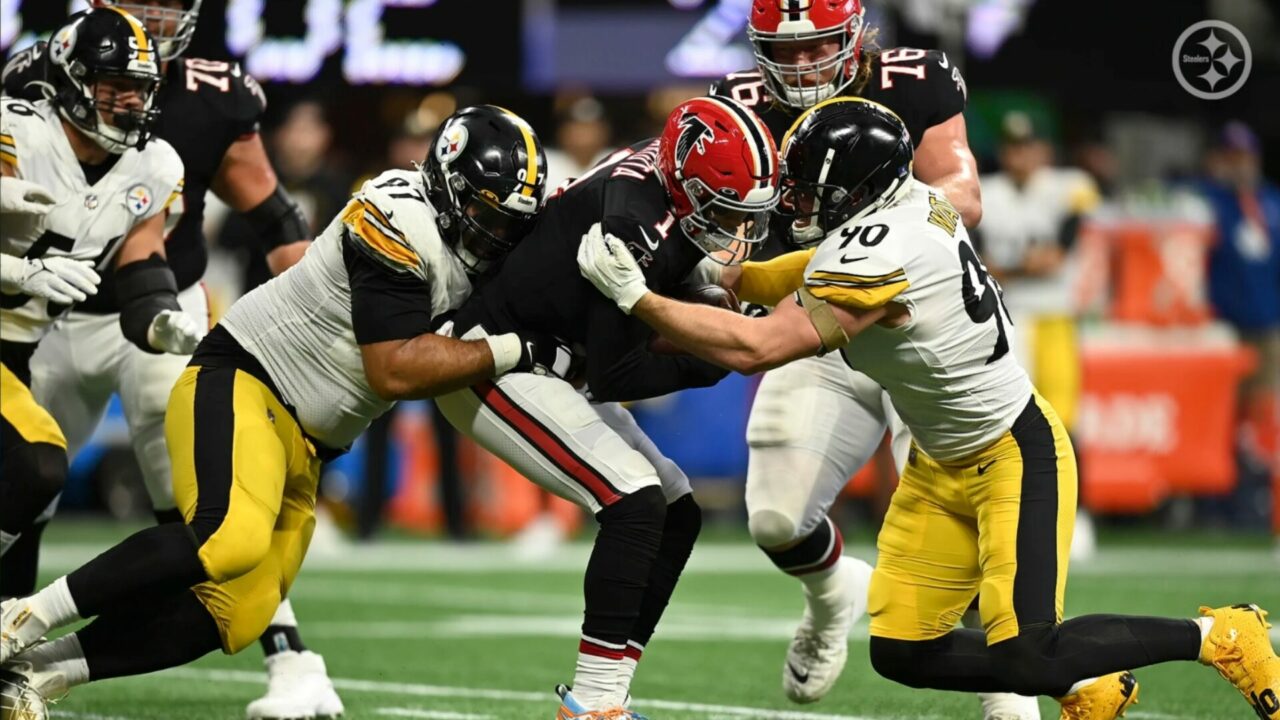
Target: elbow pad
x,y
144,289
278,221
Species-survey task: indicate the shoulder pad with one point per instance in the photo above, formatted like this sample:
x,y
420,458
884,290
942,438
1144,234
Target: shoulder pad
x,y
23,69
861,265
232,92
381,213
24,130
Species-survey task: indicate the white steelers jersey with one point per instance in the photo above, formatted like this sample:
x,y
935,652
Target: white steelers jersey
x,y
949,370
89,222
298,325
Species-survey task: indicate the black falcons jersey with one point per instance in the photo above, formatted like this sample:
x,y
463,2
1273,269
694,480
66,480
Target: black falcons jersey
x,y
539,286
921,86
205,106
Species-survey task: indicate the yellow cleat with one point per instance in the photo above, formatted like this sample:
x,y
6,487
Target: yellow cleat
x,y
1239,648
1103,699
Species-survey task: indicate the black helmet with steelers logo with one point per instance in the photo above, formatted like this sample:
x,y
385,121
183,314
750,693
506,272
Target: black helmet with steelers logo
x,y
485,176
98,55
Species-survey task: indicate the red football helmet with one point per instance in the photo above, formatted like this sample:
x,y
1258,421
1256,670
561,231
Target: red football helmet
x,y
171,27
801,23
719,165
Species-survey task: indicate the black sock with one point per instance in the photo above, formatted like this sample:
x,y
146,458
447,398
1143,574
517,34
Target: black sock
x,y
162,635
679,532
620,564
31,476
18,566
817,552
1042,660
281,638
172,515
155,562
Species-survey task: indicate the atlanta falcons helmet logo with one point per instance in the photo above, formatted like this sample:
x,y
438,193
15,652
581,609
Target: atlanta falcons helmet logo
x,y
693,133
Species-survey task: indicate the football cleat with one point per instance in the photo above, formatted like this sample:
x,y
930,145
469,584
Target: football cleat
x,y
18,700
571,709
298,688
1239,648
818,651
20,627
1007,706
1106,698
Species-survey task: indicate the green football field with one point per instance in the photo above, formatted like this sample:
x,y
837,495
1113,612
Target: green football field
x,y
419,629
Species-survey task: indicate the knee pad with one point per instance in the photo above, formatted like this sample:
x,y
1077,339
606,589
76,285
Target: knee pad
x,y
31,478
684,516
234,554
645,507
770,528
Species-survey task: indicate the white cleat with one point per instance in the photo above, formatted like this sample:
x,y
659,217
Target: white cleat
x,y
298,688
1007,706
820,647
18,700
20,628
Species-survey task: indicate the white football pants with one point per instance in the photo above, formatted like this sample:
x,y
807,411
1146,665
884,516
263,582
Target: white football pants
x,y
85,359
813,424
588,453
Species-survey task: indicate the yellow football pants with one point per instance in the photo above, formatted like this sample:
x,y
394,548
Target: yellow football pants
x,y
998,522
29,421
244,478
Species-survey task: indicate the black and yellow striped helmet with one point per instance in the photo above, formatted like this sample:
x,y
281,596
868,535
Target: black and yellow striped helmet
x,y
486,175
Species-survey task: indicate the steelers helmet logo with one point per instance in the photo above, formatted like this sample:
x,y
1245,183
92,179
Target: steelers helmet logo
x,y
138,200
451,143
62,44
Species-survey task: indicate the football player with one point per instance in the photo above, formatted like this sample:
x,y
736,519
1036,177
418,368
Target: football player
x,y
292,375
211,110
814,423
699,193
987,499
85,190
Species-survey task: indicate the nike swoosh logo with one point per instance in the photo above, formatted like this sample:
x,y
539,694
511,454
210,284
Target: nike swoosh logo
x,y
847,259
653,244
800,677
982,469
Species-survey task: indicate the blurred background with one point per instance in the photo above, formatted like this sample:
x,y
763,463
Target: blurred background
x,y
1143,271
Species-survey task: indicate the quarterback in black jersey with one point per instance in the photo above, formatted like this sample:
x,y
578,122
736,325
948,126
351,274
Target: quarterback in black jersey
x,y
209,112
814,423
698,195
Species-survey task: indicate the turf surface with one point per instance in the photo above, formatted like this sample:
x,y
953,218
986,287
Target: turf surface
x,y
426,630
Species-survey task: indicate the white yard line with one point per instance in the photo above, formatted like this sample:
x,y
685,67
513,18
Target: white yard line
x,y
419,690
708,559
431,714
85,716
565,626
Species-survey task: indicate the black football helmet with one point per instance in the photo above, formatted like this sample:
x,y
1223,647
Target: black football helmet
x,y
485,178
842,159
171,27
105,44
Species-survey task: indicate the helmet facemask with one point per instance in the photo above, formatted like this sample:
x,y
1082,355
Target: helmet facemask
x,y
786,81
479,228
172,28
726,229
127,127
815,208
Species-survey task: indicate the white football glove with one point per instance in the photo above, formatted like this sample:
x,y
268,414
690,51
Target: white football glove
x,y
23,197
174,332
58,279
607,263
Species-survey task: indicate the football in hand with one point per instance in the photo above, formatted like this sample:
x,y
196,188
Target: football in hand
x,y
702,294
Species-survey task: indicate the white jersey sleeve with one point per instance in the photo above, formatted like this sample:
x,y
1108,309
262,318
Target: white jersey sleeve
x,y
863,265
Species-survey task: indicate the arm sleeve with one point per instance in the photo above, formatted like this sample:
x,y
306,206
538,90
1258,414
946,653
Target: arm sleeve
x,y
621,368
768,282
385,305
